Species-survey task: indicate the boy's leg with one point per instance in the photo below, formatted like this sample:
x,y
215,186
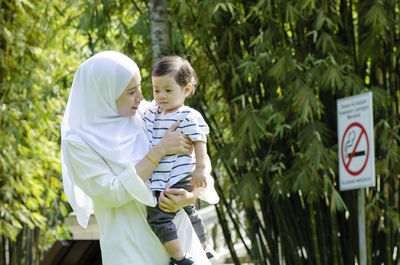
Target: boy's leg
x,y
191,211
174,249
162,225
197,223
200,228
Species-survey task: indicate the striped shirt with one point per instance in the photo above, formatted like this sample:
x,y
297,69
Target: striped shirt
x,y
173,168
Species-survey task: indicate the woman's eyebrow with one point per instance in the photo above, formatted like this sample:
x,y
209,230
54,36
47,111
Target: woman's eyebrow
x,y
132,88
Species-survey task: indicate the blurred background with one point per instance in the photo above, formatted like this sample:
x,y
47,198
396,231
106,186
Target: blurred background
x,y
270,72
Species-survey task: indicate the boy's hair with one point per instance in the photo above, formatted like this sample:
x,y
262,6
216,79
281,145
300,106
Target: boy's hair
x,y
177,67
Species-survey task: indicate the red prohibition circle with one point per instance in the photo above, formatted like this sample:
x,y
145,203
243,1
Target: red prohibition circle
x,y
355,173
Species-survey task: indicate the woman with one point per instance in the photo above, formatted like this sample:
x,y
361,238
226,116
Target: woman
x,y
106,161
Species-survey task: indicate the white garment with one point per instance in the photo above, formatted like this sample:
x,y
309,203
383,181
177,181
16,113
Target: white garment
x,y
91,113
125,238
99,149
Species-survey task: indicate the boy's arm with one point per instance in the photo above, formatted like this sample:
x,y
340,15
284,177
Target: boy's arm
x,y
200,150
202,162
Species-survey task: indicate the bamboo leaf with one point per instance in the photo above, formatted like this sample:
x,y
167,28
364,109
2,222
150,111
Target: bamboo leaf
x,y
249,189
9,230
376,17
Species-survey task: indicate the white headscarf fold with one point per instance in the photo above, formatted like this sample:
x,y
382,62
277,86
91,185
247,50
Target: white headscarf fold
x,y
91,113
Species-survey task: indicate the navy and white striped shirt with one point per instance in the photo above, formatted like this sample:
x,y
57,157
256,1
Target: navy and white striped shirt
x,y
173,168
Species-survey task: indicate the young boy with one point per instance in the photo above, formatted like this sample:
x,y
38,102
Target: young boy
x,y
173,81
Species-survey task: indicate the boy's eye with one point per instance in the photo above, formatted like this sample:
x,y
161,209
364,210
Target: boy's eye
x,y
169,90
132,92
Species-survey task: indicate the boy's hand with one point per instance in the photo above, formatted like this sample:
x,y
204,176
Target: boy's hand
x,y
199,179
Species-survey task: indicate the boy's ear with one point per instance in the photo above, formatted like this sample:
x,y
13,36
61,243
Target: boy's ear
x,y
188,89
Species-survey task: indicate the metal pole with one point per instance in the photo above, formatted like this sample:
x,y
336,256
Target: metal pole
x,y
362,242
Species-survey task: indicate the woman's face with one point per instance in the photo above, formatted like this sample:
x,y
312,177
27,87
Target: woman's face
x,y
128,102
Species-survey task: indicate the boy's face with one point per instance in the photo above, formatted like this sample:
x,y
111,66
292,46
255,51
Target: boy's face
x,y
128,102
168,94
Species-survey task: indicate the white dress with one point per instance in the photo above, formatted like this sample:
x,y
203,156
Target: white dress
x,y
118,197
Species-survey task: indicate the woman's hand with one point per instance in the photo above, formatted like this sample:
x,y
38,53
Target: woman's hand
x,y
171,143
171,200
174,142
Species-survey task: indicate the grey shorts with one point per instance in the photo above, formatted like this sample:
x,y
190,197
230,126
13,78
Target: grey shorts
x,y
161,222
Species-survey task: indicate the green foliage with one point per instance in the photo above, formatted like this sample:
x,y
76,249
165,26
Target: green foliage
x,y
270,80
37,63
269,72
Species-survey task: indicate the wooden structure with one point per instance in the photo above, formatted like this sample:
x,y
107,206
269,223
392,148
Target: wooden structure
x,y
73,252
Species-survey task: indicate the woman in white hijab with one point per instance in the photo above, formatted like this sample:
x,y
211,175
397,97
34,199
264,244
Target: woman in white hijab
x,y
106,161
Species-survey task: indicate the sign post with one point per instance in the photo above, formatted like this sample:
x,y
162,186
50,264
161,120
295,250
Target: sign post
x,y
356,154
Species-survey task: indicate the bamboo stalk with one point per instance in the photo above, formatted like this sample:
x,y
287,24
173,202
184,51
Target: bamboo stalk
x,y
269,234
317,255
19,246
13,253
323,241
2,250
258,251
230,214
262,244
336,251
287,229
227,235
30,245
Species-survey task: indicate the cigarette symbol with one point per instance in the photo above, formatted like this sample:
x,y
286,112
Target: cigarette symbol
x,y
349,145
359,153
350,140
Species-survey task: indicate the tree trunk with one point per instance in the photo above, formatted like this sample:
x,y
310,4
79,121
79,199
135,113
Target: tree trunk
x,y
159,27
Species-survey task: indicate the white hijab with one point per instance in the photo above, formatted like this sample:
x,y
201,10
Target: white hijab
x,y
91,113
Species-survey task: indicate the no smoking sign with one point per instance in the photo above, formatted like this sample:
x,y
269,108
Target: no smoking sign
x,y
355,149
355,142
